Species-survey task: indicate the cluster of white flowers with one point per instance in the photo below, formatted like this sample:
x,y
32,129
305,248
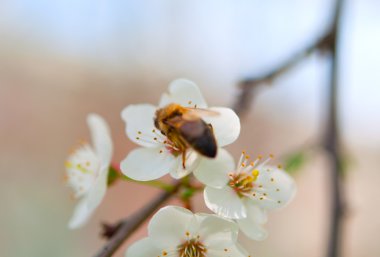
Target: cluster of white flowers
x,y
239,195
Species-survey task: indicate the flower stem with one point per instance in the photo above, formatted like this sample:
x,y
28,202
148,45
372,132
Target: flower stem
x,y
154,183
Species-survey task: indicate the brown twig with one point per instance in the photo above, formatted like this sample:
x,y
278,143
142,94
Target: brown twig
x,y
331,143
123,229
249,85
328,42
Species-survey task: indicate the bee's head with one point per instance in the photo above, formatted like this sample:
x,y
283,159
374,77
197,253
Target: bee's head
x,y
156,119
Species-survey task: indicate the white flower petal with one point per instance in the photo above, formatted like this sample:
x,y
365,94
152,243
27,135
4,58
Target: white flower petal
x,y
143,248
81,214
275,187
226,125
82,168
165,100
225,202
169,225
140,118
252,225
145,164
98,190
235,250
214,172
185,93
101,138
218,233
192,161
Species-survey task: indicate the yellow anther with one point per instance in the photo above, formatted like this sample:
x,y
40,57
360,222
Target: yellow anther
x,y
247,157
81,168
68,165
279,166
248,179
260,157
271,156
255,174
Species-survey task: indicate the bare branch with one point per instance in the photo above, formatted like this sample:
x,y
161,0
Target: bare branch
x,y
249,85
126,227
331,140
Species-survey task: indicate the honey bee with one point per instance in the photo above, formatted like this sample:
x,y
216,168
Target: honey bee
x,y
185,129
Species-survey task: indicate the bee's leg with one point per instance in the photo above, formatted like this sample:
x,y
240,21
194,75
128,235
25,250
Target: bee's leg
x,y
184,158
211,128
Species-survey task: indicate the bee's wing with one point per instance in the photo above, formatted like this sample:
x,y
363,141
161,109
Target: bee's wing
x,y
200,112
197,133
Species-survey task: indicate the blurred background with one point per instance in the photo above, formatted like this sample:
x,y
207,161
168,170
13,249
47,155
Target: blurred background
x,y
60,60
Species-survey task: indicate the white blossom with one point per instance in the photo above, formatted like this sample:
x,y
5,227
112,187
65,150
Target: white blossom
x,y
87,171
157,155
177,232
244,193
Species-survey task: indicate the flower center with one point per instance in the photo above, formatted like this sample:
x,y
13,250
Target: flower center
x,y
82,169
192,248
242,182
163,140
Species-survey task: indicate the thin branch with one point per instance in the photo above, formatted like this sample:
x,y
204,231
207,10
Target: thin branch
x,y
329,43
126,227
249,85
331,143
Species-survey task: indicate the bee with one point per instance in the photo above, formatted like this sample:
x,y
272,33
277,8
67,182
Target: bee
x,y
185,129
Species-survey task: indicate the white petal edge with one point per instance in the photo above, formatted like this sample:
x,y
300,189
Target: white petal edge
x,y
81,214
169,225
235,250
98,190
252,226
185,93
226,125
145,164
214,172
192,161
225,202
217,232
272,179
143,248
140,117
101,138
